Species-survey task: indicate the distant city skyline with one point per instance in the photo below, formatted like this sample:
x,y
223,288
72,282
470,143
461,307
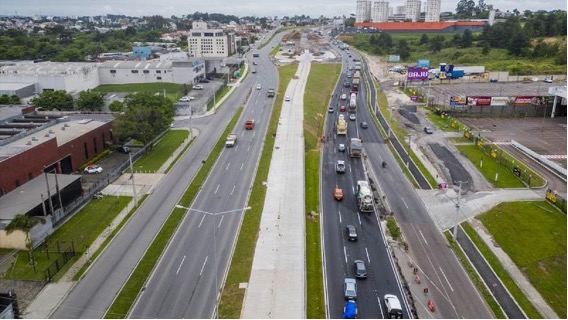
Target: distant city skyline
x,y
259,8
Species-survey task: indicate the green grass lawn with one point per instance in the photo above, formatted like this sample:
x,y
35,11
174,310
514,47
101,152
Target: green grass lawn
x,y
163,150
218,95
533,234
319,88
81,230
461,140
506,179
232,296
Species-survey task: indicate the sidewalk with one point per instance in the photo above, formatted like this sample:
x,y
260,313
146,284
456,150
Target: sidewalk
x,y
276,289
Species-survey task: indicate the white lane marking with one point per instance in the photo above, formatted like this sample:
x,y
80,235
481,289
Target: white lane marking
x,y
446,279
353,188
242,165
182,260
423,237
253,133
237,148
234,186
368,259
217,189
203,266
200,222
404,202
339,212
345,254
381,306
359,217
248,149
227,167
220,222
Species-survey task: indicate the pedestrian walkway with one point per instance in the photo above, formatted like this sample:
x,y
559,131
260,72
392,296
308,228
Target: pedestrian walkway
x,y
276,289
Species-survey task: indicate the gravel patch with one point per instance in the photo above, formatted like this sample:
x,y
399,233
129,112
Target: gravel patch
x,y
454,168
410,116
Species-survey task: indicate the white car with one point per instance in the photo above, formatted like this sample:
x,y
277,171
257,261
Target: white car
x,y
198,87
548,80
352,116
341,116
258,87
186,99
93,168
287,98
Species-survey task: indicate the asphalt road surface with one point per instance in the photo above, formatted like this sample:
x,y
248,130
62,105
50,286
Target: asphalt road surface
x,y
92,295
339,253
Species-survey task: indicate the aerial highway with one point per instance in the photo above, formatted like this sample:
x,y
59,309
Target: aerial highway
x,y
371,246
94,293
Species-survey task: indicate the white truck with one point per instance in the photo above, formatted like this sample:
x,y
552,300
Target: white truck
x,y
364,196
355,148
353,102
231,140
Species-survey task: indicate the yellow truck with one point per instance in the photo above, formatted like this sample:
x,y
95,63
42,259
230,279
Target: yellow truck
x,y
341,127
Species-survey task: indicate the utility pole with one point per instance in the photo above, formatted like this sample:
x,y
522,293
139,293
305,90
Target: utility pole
x,y
458,204
132,179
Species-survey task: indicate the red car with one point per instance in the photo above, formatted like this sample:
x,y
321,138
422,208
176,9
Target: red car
x,y
342,108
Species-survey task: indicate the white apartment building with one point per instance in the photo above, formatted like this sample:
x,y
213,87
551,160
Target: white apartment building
x,y
210,43
433,10
380,11
413,10
399,10
363,11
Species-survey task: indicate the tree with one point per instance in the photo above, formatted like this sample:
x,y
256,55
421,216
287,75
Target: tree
x,y
465,8
4,99
423,39
467,39
15,99
90,100
49,100
24,223
145,116
436,44
518,45
486,49
116,106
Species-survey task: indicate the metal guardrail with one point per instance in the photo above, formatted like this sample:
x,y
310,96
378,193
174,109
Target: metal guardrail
x,y
551,166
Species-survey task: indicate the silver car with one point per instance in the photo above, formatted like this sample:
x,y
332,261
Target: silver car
x,y
350,289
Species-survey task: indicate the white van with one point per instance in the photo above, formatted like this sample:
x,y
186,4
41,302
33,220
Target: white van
x,y
393,306
344,96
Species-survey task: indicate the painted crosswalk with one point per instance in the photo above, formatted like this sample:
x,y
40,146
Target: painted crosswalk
x,y
554,156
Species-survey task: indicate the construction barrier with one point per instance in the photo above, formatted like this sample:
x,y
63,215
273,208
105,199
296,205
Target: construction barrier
x,y
417,280
425,290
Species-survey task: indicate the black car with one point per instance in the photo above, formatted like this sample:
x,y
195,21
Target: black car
x,y
360,269
364,125
204,80
123,149
428,130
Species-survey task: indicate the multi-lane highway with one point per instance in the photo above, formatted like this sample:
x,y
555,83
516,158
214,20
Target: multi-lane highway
x,y
187,279
371,247
92,296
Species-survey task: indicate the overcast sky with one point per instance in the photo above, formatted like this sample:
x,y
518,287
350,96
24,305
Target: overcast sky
x,y
167,8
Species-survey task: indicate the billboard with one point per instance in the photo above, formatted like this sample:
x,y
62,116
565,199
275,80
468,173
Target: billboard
x,y
394,58
424,63
458,101
413,74
500,101
523,101
479,101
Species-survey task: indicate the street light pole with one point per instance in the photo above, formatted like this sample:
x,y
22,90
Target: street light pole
x,y
214,214
458,204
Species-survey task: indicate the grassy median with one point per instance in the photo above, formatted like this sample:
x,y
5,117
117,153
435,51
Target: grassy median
x,y
319,88
232,296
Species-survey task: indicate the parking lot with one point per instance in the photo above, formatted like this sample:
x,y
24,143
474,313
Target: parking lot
x,y
199,104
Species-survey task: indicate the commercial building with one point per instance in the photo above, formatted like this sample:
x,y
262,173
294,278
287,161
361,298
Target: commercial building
x,y
152,71
363,11
210,43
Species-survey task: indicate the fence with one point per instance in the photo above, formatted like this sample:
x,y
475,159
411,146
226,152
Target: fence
x,y
556,200
62,256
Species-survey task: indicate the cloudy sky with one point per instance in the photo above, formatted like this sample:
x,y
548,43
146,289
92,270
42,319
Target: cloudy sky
x,y
167,8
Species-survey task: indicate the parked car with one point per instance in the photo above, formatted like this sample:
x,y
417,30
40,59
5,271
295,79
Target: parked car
x,y
360,269
186,99
198,87
492,80
548,80
204,80
351,233
428,130
93,168
340,166
123,149
350,289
